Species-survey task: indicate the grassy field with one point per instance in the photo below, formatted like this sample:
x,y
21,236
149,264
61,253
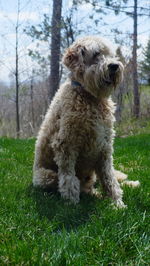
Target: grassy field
x,y
38,228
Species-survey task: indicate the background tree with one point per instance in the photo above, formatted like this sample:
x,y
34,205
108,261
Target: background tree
x,y
145,64
17,73
136,107
118,94
55,47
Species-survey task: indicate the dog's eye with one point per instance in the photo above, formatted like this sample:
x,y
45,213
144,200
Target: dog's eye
x,y
96,54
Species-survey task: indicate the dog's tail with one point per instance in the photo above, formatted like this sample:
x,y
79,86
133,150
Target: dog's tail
x,y
45,178
121,177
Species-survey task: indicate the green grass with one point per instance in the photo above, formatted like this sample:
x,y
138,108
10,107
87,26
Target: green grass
x,y
38,228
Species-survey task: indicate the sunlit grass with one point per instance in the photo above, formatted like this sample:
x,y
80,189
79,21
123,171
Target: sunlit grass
x,y
38,228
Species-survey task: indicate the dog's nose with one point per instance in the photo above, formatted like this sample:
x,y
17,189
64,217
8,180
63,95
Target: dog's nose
x,y
113,67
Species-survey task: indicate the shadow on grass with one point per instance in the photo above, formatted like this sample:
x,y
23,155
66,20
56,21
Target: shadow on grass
x,y
61,213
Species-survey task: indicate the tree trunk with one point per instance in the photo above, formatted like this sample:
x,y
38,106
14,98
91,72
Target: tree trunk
x,y
55,48
32,103
136,107
119,102
17,76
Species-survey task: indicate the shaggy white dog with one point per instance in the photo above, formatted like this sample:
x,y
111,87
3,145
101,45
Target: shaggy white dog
x,y
75,143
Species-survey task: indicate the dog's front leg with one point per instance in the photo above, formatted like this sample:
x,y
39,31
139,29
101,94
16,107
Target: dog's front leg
x,y
69,184
105,173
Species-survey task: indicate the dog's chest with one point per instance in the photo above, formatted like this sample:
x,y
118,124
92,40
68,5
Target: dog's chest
x,y
98,133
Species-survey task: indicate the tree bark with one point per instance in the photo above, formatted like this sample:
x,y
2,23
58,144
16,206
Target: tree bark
x,y
55,48
17,76
136,107
32,103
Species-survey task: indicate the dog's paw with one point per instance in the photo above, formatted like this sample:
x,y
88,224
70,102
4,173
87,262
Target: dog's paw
x,y
129,183
69,188
96,193
118,204
120,176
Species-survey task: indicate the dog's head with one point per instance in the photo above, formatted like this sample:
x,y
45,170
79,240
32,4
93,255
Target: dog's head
x,y
93,64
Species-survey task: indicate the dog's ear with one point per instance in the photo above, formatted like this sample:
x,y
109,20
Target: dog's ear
x,y
73,56
70,58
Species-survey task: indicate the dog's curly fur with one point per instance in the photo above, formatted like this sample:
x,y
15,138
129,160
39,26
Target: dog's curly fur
x,y
75,143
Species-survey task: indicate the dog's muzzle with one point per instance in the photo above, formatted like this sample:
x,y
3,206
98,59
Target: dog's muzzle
x,y
113,72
